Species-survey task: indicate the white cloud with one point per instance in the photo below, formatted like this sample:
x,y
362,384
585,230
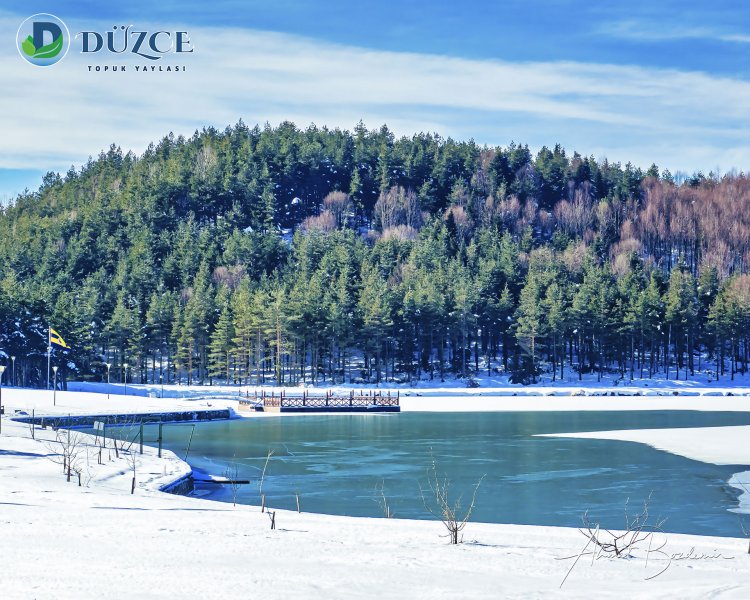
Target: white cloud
x,y
642,30
52,117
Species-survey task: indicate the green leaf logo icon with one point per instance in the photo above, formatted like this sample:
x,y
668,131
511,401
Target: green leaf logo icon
x,y
28,47
48,51
43,39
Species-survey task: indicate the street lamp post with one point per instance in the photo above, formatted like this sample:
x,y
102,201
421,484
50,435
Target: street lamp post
x,y
13,358
109,366
54,387
125,369
2,369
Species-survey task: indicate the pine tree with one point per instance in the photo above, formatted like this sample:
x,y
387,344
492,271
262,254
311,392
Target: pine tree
x,y
198,321
681,311
375,311
222,344
530,328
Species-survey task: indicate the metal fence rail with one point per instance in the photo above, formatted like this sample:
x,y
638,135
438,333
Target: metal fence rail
x,y
274,400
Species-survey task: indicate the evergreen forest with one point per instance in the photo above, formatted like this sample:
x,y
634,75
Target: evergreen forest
x,y
286,255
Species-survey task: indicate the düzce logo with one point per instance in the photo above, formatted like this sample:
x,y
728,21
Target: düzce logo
x,y
43,40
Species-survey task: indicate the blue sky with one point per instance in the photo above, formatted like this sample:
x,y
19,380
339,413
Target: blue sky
x,y
644,81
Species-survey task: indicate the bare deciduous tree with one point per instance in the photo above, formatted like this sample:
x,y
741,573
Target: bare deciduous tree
x,y
325,222
398,206
66,449
339,204
123,435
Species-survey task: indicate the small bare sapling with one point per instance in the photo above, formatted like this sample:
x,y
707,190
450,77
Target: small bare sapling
x,y
451,512
262,479
746,533
232,475
745,528
132,459
382,500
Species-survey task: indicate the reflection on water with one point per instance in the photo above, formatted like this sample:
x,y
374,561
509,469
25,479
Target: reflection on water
x,y
335,463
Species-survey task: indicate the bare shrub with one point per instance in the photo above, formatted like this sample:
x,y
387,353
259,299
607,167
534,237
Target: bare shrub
x,y
438,502
620,544
639,534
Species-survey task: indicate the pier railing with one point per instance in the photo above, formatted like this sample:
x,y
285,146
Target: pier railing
x,y
278,400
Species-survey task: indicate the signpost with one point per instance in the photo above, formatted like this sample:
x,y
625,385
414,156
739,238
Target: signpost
x,y
99,426
54,388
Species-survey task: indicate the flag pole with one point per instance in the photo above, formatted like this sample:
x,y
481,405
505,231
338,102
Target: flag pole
x,y
49,351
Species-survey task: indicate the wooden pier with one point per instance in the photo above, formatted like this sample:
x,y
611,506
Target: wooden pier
x,y
360,402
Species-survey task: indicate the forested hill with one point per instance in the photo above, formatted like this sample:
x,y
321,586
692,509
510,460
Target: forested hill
x,y
285,254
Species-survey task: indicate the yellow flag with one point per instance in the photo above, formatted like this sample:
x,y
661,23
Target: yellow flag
x,y
56,338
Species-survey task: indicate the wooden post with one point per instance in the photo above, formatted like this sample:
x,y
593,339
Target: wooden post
x,y
141,436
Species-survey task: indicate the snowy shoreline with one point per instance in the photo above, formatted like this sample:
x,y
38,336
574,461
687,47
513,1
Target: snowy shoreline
x,y
104,535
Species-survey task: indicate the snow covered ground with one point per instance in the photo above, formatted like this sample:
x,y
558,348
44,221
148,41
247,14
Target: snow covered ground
x,y
700,384
59,540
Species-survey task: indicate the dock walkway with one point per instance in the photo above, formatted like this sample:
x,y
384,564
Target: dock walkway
x,y
367,402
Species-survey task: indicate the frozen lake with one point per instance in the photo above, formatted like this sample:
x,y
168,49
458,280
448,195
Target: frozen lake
x,y
335,464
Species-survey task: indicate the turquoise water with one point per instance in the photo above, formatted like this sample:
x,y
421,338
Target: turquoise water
x,y
335,463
